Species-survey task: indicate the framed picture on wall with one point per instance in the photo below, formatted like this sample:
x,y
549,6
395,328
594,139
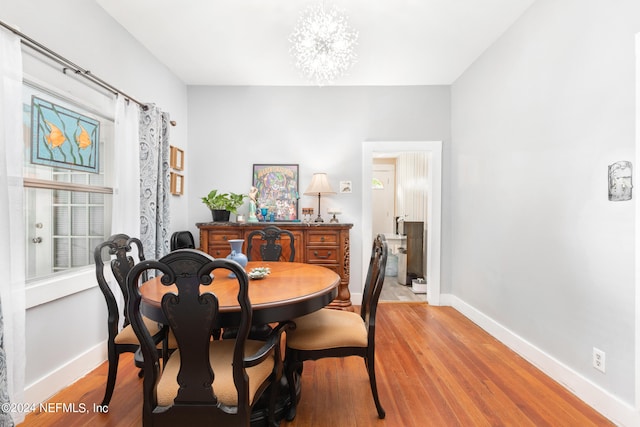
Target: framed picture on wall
x,y
176,158
63,138
177,184
277,188
345,187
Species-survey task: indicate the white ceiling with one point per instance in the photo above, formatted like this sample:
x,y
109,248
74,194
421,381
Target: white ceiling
x,y
245,42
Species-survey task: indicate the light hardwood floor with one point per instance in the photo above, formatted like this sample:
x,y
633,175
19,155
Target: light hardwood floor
x,y
393,291
435,368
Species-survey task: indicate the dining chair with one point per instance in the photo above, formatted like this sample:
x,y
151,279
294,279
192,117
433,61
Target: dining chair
x,y
336,333
118,253
205,381
182,240
271,250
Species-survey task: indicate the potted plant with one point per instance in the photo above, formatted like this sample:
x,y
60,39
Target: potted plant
x,y
223,204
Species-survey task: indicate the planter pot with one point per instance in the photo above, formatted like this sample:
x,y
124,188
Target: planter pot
x,y
220,215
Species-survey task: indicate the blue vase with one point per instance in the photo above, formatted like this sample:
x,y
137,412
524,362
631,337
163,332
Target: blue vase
x,y
236,253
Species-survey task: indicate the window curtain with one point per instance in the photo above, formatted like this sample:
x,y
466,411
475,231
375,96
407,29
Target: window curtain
x,y
125,215
412,176
126,198
12,227
154,182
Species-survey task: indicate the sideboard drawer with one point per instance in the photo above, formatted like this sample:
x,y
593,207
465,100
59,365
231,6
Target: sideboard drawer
x,y
324,237
218,237
322,255
219,251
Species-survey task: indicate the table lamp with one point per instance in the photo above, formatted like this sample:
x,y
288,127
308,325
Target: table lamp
x,y
319,185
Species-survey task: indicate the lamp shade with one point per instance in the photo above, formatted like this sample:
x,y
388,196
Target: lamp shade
x,y
319,185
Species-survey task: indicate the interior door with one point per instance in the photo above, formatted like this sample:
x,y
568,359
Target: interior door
x,y
383,199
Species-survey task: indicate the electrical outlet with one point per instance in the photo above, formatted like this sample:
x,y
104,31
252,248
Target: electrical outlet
x,y
598,359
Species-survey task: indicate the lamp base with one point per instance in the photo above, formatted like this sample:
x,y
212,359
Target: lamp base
x,y
319,218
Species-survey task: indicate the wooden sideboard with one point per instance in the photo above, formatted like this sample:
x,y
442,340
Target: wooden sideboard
x,y
323,244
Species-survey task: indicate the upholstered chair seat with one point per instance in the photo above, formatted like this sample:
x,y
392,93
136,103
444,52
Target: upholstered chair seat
x,y
128,336
328,328
220,358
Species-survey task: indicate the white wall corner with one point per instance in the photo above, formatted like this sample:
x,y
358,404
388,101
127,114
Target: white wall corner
x,y
637,234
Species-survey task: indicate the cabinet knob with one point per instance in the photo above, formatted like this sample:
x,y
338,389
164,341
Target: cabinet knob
x,y
322,239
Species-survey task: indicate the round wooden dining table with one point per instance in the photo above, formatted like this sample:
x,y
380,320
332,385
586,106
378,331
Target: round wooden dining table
x,y
292,289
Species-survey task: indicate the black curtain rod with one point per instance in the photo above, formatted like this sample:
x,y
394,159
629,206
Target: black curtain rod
x,y
69,65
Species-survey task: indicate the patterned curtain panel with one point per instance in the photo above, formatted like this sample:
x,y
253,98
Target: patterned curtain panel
x,y
154,182
12,229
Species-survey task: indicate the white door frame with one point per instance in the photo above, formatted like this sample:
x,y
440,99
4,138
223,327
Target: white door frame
x,y
433,149
637,236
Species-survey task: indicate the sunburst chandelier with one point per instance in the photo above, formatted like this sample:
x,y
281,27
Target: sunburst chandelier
x,y
323,44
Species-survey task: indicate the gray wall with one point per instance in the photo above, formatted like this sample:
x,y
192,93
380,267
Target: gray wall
x,y
536,244
321,129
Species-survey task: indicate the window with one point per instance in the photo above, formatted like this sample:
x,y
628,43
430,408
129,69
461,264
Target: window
x,y
67,211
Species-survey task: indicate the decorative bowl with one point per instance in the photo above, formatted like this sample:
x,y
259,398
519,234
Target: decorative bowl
x,y
259,273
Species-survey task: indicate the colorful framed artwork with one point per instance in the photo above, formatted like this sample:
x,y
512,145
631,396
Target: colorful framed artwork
x,y
277,190
63,138
176,158
177,184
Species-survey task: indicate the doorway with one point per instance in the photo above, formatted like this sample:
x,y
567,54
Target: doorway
x,y
433,151
383,197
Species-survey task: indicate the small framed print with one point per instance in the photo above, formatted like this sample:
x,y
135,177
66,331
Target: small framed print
x,y
177,184
345,187
620,181
176,158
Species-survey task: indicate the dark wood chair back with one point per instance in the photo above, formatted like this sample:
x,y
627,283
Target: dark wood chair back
x,y
271,250
118,253
117,250
373,284
182,240
193,316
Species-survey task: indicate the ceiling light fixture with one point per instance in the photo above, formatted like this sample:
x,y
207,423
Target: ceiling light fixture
x,y
323,44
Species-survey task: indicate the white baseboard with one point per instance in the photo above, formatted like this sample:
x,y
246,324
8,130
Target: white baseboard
x,y
356,299
618,411
65,375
